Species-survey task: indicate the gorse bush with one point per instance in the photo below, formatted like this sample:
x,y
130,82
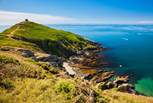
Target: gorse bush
x,y
65,86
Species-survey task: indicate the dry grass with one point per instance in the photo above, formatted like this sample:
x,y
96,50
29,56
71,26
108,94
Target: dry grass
x,y
119,97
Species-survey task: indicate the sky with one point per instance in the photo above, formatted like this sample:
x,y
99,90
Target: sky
x,y
77,11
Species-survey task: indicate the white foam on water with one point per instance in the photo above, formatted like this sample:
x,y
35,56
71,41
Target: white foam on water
x,y
125,39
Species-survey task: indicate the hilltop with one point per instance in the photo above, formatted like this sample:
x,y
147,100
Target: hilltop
x,y
50,40
31,69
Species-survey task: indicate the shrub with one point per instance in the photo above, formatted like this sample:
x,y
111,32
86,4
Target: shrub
x,y
65,86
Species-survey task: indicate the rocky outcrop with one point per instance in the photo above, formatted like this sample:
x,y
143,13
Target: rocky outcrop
x,y
87,95
53,60
26,53
126,88
103,76
120,83
69,69
46,58
120,80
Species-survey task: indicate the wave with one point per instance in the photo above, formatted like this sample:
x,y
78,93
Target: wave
x,y
125,39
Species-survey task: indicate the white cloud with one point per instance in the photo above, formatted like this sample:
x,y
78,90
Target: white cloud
x,y
145,22
9,18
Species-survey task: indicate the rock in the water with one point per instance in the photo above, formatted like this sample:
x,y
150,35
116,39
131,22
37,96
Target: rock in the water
x,y
126,88
121,80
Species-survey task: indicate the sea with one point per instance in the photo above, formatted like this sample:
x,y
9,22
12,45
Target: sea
x,y
130,53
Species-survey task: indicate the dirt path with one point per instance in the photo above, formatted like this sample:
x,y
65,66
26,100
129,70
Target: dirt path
x,y
13,32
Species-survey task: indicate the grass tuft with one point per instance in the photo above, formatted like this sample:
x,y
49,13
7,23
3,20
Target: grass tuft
x,y
6,59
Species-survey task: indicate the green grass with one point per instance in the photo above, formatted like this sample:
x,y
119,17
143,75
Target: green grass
x,y
36,31
54,41
65,86
34,91
5,41
5,59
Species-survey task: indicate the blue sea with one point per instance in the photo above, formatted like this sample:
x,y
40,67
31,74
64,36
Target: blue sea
x,y
131,50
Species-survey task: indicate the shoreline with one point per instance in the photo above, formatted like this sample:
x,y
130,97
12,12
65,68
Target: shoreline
x,y
90,65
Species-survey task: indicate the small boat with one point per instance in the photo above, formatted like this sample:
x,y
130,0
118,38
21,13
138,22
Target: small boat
x,y
120,66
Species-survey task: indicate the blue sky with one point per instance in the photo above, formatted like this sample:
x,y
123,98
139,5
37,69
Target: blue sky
x,y
77,11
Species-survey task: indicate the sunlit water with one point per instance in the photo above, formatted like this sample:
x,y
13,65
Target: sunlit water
x,y
131,49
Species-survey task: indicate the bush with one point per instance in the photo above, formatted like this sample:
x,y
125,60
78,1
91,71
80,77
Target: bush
x,y
65,86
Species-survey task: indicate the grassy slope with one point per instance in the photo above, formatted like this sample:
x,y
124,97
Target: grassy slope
x,y
13,65
58,42
5,41
119,97
25,81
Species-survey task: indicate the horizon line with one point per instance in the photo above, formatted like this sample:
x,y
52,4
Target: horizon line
x,y
87,24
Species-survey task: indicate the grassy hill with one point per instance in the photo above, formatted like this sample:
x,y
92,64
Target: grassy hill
x,y
54,41
24,80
